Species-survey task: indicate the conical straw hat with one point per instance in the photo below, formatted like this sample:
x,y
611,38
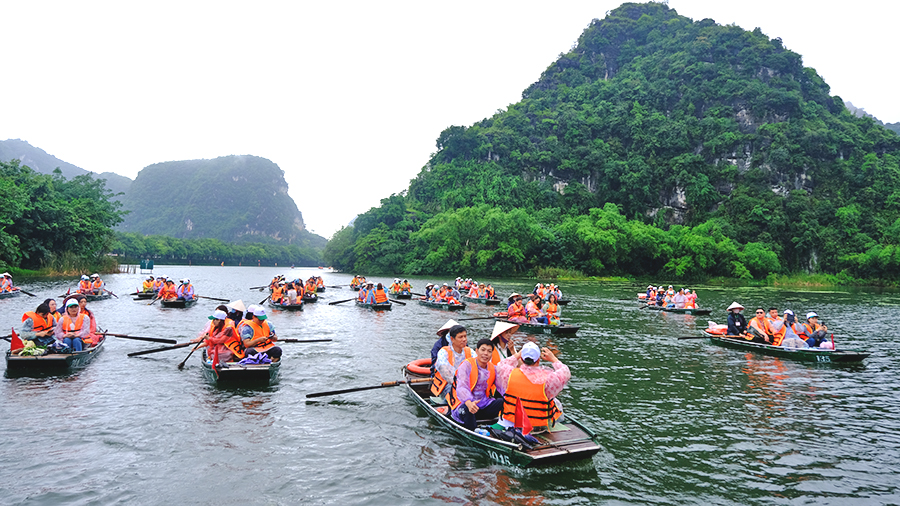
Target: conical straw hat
x,y
446,328
501,327
237,305
734,305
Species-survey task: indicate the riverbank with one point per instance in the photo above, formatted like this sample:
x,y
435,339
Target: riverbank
x,y
68,265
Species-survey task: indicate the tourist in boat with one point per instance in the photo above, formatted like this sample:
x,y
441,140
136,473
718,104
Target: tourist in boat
x,y
533,311
442,341
378,295
777,325
737,324
96,284
395,286
448,359
759,330
290,296
259,335
74,327
310,286
791,330
474,291
552,310
428,294
85,285
516,311
185,290
277,293
521,377
363,294
6,284
651,292
503,342
222,342
406,287
159,284
813,332
168,291
691,302
679,300
39,326
235,311
489,291
147,285
51,303
472,392
453,296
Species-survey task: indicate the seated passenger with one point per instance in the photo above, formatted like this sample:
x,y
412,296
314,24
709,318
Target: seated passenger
x,y
38,326
448,359
813,333
74,327
522,378
503,342
737,324
259,336
473,388
791,330
759,329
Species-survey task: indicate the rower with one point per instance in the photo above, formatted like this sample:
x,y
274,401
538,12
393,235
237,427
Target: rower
x,y
277,293
503,342
185,290
147,286
74,327
38,326
6,284
521,378
448,359
259,335
378,295
473,388
737,324
691,297
406,286
221,339
85,285
96,284
363,294
428,288
760,331
168,291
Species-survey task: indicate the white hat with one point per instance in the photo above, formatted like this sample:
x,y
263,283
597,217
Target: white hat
x,y
237,305
6,274
84,276
251,307
218,315
445,284
811,314
259,312
501,327
788,311
95,275
532,352
186,281
446,328
71,302
734,305
150,277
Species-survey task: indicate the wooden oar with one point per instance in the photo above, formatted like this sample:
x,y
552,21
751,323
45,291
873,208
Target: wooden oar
x,y
480,318
383,385
137,338
157,350
212,298
303,340
398,302
336,286
181,365
693,337
418,294
27,293
114,295
258,287
153,301
340,301
264,300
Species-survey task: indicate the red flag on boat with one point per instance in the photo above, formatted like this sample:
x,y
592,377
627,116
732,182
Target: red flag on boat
x,y
15,344
522,421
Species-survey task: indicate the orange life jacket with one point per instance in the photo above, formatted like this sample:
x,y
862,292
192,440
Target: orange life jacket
x,y
517,310
277,293
261,331
320,283
438,383
310,287
552,309
147,286
67,324
97,284
765,328
490,293
84,286
40,324
454,401
406,286
541,411
157,285
778,334
235,344
380,296
168,293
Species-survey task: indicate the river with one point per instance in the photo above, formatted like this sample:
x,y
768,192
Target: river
x,y
680,421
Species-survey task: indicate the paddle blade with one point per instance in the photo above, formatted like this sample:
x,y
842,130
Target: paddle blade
x,y
16,344
522,421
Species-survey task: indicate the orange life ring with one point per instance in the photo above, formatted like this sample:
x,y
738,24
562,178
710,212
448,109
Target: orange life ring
x,y
719,331
421,367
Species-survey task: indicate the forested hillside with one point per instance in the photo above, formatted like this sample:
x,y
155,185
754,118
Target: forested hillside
x,y
230,198
658,145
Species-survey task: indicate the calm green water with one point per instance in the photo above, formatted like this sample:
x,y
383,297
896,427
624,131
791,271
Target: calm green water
x,y
681,422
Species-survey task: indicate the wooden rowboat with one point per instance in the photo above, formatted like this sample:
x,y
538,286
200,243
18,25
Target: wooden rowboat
x,y
310,297
286,307
89,297
56,363
568,441
402,294
243,376
539,328
480,300
177,303
446,306
10,294
694,311
320,289
817,355
376,307
355,287
144,295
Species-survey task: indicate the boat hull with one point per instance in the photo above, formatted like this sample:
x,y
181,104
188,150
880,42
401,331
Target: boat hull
x,y
178,303
9,295
384,306
698,312
442,305
320,289
815,355
50,364
241,376
477,300
537,328
310,298
286,307
144,295
573,442
401,295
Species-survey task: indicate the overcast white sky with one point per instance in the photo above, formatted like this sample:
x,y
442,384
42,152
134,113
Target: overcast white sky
x,y
346,97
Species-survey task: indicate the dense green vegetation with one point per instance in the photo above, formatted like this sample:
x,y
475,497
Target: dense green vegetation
x,y
49,221
658,145
230,198
162,249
